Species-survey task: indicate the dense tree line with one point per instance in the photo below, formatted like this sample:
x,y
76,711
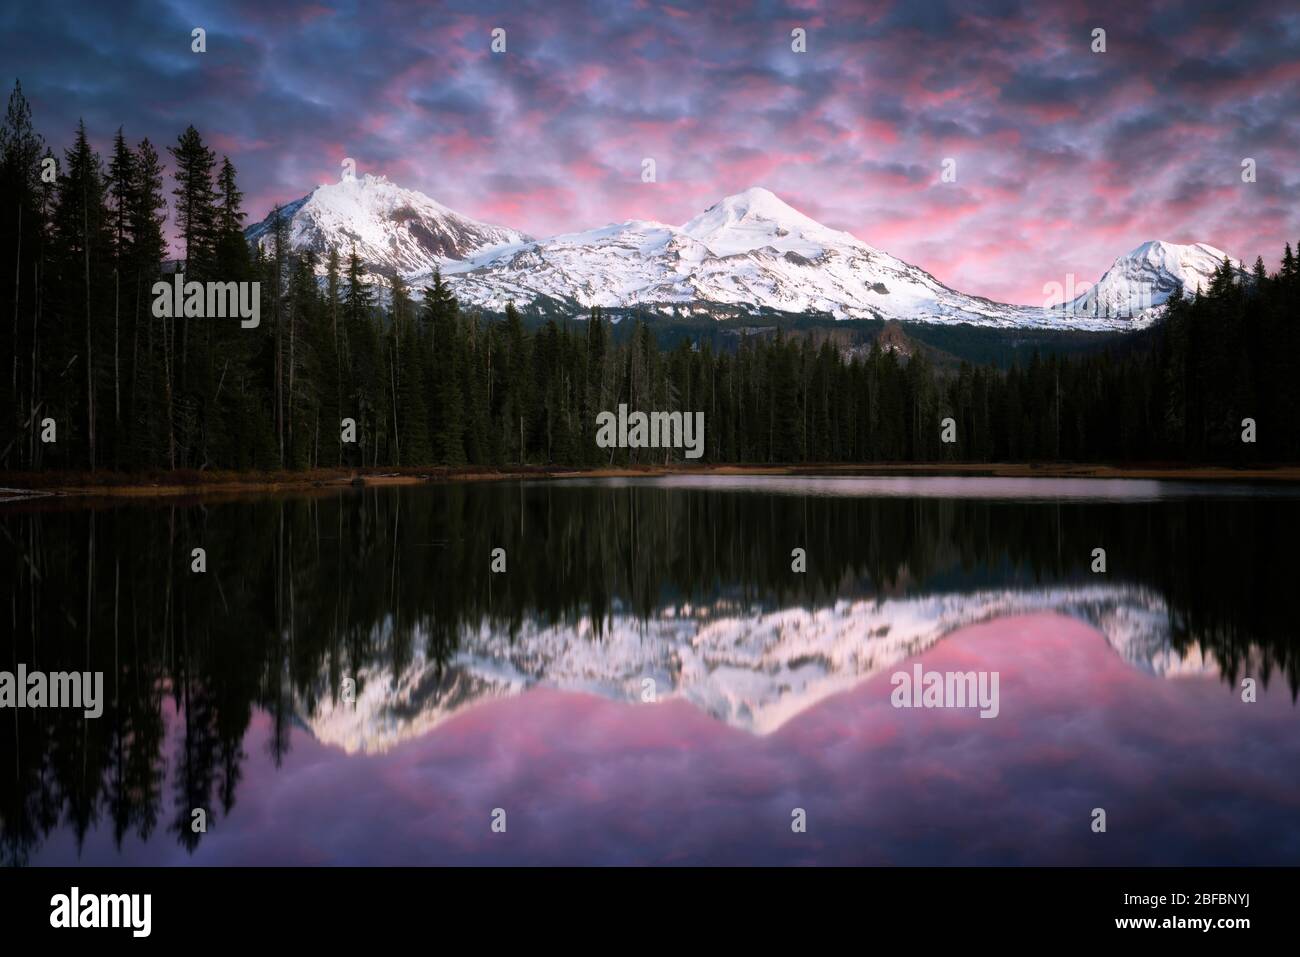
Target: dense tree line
x,y
427,382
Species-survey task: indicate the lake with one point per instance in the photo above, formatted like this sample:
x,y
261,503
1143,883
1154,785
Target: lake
x,y
627,671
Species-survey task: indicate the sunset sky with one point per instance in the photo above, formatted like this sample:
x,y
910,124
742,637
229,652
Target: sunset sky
x,y
1065,158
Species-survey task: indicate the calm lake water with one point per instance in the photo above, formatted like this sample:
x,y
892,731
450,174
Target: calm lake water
x,y
649,681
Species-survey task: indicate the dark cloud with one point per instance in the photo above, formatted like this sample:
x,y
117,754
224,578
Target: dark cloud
x,y
1071,149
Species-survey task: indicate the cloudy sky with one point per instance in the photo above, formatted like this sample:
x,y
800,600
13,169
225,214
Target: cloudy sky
x,y
1065,158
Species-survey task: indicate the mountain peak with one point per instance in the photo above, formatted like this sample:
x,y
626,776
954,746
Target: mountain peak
x,y
1161,251
754,203
755,218
369,193
363,181
1148,276
757,200
393,229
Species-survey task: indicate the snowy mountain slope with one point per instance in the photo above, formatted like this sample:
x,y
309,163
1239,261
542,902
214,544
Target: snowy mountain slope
x,y
751,251
746,254
394,230
752,671
1147,277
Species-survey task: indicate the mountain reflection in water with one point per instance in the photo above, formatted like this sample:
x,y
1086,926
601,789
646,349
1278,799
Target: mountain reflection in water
x,y
227,690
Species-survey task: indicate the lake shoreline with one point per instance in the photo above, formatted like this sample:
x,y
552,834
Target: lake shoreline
x,y
29,485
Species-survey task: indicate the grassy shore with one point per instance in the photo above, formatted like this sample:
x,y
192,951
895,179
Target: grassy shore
x,y
17,485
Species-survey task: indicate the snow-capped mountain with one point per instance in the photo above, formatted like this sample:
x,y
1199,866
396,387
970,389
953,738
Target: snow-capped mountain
x,y
1147,277
394,230
753,671
747,254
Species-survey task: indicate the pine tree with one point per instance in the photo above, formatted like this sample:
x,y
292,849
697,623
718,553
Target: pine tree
x,y
302,403
413,438
121,180
516,387
333,370
365,404
229,202
1259,275
446,361
150,390
478,432
279,268
196,218
81,225
22,233
196,212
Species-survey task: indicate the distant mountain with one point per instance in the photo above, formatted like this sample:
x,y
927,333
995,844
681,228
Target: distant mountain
x,y
1147,277
394,230
749,254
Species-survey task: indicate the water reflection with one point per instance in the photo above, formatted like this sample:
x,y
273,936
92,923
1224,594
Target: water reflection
x,y
213,677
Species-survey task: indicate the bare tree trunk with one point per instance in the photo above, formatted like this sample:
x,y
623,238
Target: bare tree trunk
x,y
279,388
338,366
117,368
185,345
279,356
220,382
293,338
90,597
167,374
392,377
36,311
135,344
18,265
90,364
